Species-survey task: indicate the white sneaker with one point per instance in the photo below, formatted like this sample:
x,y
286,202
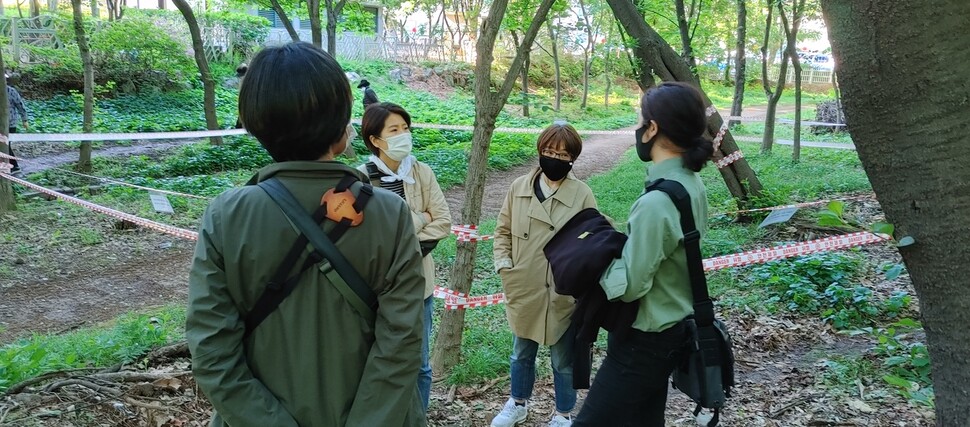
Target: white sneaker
x,y
560,421
511,414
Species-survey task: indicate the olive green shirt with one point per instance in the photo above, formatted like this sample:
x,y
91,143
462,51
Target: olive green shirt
x,y
316,360
653,267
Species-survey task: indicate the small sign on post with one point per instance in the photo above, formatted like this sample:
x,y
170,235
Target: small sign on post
x,y
160,203
778,216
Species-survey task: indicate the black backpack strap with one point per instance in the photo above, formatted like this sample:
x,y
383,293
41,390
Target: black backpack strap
x,y
347,280
703,306
373,173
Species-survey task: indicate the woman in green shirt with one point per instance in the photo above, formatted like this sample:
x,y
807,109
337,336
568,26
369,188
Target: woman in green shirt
x,y
631,386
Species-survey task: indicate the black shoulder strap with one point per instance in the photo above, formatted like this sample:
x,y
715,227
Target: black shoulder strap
x,y
373,173
324,249
703,306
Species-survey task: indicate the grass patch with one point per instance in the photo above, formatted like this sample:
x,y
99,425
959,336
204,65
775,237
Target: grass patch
x,y
123,341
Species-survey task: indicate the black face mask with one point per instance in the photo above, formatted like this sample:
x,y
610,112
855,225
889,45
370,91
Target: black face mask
x,y
644,148
554,169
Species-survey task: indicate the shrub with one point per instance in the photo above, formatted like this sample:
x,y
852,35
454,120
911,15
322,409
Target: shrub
x,y
134,54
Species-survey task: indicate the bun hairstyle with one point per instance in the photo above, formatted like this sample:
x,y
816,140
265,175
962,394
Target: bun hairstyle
x,y
678,109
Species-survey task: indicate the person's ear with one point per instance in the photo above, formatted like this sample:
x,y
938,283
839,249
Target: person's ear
x,y
652,130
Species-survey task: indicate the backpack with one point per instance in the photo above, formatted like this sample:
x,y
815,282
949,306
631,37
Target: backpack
x,y
706,375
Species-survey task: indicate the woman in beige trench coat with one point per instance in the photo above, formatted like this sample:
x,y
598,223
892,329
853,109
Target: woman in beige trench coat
x,y
537,205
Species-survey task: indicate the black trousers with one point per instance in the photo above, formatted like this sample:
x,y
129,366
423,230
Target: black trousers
x,y
10,150
630,388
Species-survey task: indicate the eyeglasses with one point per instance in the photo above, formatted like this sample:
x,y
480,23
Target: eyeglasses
x,y
556,154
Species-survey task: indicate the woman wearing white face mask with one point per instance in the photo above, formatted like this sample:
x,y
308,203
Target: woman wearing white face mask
x,y
386,131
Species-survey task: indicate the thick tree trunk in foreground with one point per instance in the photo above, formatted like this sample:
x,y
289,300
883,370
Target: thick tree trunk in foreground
x,y
8,200
208,82
84,161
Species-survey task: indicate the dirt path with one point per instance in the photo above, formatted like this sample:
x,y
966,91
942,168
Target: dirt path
x,y
40,156
600,154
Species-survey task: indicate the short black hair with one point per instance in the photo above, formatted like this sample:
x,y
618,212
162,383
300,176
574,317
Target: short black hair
x,y
375,116
296,101
678,109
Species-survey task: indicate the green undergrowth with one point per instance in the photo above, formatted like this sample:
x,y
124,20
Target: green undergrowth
x,y
121,341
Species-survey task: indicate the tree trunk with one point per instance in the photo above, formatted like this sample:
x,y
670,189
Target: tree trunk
x,y
285,19
555,63
685,39
525,84
633,63
609,82
740,63
316,34
95,13
8,200
34,8
333,12
917,165
727,67
84,162
208,82
791,34
488,104
773,97
588,52
656,57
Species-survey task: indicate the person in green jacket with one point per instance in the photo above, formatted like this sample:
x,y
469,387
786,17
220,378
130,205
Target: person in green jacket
x,y
630,388
318,359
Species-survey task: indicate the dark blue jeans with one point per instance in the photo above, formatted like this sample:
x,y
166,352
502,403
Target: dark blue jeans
x,y
630,388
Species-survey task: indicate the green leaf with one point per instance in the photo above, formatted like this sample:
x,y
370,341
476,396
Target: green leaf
x,y
908,323
898,381
894,271
837,207
827,218
895,360
883,228
905,241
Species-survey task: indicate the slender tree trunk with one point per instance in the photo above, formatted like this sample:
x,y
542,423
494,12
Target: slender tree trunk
x,y
285,19
609,82
685,39
740,67
917,165
84,162
525,84
791,34
586,66
34,8
656,57
95,13
488,104
555,63
8,200
588,52
634,65
316,34
727,67
334,9
773,97
208,82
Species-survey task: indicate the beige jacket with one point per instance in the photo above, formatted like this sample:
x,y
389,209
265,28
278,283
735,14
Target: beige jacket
x,y
534,310
425,195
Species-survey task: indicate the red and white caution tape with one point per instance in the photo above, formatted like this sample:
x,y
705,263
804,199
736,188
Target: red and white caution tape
x,y
711,109
455,303
469,233
730,158
720,136
128,184
5,167
7,156
442,292
147,223
760,256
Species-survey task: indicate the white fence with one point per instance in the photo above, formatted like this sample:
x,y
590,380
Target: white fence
x,y
359,47
22,32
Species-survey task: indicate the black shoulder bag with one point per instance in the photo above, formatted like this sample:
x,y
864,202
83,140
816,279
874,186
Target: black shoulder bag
x,y
707,374
338,270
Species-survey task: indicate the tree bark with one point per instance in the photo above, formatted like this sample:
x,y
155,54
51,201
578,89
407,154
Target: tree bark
x,y
488,104
285,19
685,39
34,8
208,82
656,57
588,51
95,13
334,9
918,164
8,200
791,34
740,67
773,97
84,161
316,32
525,76
555,63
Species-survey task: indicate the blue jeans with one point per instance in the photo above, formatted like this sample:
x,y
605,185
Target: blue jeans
x,y
523,373
424,375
